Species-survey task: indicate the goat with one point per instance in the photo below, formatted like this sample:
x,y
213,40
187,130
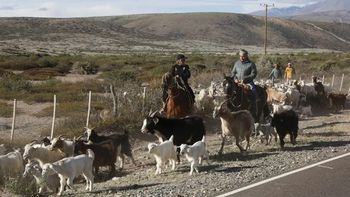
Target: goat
x,y
105,153
69,168
120,141
163,152
318,86
194,153
337,101
278,108
65,146
186,130
52,182
286,123
266,132
11,164
32,151
240,124
274,95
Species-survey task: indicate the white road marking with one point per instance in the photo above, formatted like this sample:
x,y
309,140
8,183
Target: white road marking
x,y
322,166
283,175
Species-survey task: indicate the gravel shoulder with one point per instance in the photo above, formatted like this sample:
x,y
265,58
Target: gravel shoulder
x,y
320,138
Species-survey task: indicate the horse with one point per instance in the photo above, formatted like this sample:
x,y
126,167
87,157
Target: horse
x,y
238,94
179,102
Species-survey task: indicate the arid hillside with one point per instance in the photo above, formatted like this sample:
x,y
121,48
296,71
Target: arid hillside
x,y
215,32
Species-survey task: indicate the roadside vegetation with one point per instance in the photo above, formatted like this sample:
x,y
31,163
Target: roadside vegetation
x,y
32,79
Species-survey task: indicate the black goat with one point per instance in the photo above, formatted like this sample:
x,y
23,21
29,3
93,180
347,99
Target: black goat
x,y
186,130
105,153
286,123
120,141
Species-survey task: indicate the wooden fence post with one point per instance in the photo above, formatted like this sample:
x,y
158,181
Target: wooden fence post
x,y
341,83
89,109
115,101
53,116
143,98
13,119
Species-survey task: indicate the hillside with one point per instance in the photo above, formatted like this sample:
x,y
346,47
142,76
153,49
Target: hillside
x,y
222,32
321,11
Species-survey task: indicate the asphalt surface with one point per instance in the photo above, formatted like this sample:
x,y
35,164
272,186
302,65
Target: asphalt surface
x,y
323,179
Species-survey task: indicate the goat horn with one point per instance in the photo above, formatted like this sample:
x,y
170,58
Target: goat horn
x,y
154,113
78,138
150,112
225,101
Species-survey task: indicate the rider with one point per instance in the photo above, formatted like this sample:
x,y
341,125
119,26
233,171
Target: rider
x,y
244,72
180,69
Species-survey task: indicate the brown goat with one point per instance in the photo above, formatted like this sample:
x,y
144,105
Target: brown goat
x,y
240,124
337,101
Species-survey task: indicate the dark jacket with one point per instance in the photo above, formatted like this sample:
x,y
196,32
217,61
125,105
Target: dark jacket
x,y
182,71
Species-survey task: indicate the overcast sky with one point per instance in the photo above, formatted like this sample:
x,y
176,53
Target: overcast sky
x,y
83,8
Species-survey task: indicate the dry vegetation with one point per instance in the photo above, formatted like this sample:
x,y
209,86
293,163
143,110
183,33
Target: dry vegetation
x,y
127,72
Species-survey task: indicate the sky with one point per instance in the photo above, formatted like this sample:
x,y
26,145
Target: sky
x,y
86,8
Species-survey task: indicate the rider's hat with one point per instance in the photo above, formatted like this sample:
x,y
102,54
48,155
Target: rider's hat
x,y
180,56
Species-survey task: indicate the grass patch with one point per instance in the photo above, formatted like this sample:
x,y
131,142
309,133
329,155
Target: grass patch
x,y
6,110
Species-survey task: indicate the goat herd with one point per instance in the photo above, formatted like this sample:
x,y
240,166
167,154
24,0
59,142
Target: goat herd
x,y
55,163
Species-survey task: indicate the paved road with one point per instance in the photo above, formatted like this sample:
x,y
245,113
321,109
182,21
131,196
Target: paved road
x,y
329,178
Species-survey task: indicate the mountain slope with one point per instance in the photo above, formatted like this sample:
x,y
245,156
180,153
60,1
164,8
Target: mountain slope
x,y
162,32
325,11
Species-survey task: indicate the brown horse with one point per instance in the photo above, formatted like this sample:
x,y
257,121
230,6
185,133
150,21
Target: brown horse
x,y
179,103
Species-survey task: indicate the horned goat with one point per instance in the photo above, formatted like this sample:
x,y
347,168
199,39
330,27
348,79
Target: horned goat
x,y
240,124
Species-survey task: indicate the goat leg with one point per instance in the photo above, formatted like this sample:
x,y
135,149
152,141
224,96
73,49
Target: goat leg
x,y
222,145
239,145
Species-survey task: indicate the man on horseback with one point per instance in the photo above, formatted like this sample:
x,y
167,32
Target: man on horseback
x,y
180,72
244,72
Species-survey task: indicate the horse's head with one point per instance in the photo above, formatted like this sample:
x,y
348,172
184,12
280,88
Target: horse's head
x,y
230,87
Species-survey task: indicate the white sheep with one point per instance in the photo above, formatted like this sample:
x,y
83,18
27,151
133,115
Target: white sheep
x,y
240,124
69,168
195,153
11,164
32,151
163,152
52,182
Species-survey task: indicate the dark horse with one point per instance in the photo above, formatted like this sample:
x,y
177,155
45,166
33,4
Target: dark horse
x,y
179,103
238,96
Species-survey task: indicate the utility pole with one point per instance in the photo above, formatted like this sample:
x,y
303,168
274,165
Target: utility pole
x,y
265,40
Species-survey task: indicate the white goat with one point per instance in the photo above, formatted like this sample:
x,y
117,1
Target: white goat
x,y
2,149
11,164
65,146
240,124
69,168
279,108
266,132
194,153
163,152
32,151
52,182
